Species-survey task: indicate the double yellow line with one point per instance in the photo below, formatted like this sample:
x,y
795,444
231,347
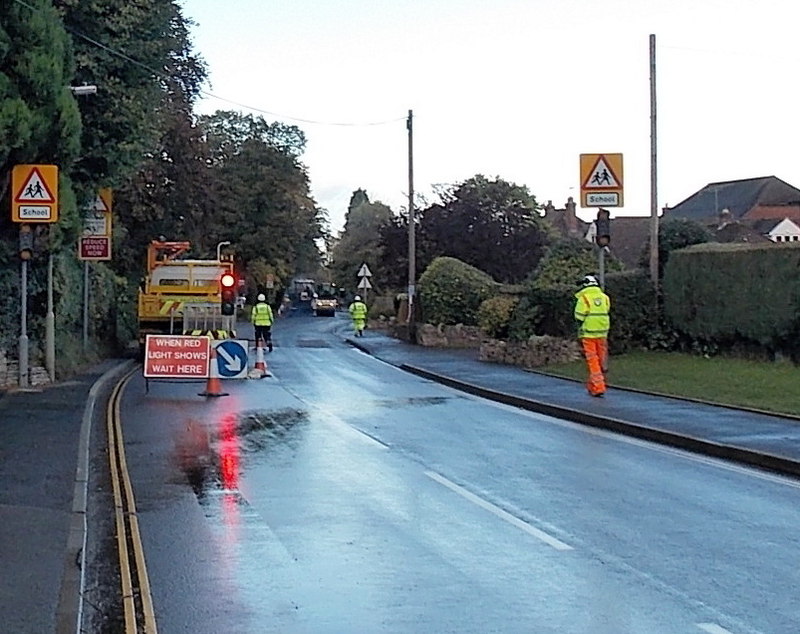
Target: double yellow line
x,y
137,602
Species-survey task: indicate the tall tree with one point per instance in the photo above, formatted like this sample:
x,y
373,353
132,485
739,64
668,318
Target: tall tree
x,y
360,241
265,205
136,53
39,120
494,225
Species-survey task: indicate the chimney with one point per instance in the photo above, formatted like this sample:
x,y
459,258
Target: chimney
x,y
570,219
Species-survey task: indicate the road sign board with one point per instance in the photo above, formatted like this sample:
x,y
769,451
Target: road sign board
x,y
601,180
176,357
231,359
95,244
94,248
35,193
364,271
364,283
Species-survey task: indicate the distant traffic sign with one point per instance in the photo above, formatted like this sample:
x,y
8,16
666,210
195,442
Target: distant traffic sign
x,y
176,357
231,359
601,180
364,271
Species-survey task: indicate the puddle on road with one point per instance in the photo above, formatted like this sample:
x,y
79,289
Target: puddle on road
x,y
413,401
210,454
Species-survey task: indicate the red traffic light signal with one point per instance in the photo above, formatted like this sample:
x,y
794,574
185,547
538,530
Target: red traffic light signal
x,y
603,228
227,294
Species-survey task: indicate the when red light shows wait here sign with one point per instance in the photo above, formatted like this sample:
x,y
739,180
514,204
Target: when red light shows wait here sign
x,y
176,357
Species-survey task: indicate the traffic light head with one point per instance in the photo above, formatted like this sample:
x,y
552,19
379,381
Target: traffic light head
x,y
227,294
603,228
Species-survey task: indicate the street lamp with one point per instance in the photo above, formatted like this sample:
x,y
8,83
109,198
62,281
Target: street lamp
x,y
86,89
219,248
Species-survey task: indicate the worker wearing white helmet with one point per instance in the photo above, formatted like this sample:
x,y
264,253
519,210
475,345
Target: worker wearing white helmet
x,y
592,307
358,313
262,319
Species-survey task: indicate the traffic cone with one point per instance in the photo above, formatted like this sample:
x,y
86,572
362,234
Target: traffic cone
x,y
213,384
261,365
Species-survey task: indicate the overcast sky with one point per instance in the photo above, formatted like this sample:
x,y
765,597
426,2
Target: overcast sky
x,y
512,88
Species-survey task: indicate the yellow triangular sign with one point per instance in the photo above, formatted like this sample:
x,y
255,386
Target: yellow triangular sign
x,y
601,176
34,189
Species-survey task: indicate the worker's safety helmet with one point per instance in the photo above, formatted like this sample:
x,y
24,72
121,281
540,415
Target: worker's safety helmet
x,y
589,280
261,297
357,298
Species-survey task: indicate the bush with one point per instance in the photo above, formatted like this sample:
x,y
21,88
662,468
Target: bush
x,y
494,315
451,292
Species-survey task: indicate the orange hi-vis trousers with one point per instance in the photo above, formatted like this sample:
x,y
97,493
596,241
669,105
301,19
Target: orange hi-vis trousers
x,y
595,349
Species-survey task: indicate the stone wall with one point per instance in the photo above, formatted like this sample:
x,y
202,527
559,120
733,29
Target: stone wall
x,y
533,353
9,373
458,336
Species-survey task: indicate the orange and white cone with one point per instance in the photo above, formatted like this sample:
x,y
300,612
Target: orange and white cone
x,y
213,384
260,369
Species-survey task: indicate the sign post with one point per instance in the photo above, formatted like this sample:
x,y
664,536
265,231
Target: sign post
x,y
34,191
94,245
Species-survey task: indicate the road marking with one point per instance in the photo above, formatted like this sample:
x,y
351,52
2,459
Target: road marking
x,y
711,461
496,510
713,628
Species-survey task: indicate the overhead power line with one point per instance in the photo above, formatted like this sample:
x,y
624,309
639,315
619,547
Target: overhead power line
x,y
161,74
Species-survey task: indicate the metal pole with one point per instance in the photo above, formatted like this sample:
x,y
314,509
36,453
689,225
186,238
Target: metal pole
x,y
602,267
50,324
653,168
85,305
412,249
23,337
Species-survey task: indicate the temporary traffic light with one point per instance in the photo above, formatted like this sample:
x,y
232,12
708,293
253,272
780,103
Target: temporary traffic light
x,y
25,242
228,293
603,228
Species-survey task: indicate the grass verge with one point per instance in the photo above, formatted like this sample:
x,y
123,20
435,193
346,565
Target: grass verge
x,y
772,387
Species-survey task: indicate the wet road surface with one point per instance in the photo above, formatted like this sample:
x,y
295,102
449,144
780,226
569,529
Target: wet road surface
x,y
344,495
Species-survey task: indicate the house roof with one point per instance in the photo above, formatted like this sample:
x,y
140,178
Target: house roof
x,y
739,196
766,225
738,232
760,212
629,235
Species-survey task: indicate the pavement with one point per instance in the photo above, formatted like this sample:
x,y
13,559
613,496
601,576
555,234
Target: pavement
x,y
45,437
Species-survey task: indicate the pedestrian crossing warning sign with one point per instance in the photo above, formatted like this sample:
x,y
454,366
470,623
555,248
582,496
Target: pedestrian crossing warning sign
x,y
601,180
35,189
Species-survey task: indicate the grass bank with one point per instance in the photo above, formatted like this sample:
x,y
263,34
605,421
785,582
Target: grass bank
x,y
772,387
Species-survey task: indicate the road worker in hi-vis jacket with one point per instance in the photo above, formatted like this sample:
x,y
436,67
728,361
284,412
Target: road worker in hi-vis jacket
x,y
262,319
358,312
592,308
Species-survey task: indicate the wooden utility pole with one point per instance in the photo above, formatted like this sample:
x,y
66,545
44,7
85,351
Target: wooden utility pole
x,y
653,168
412,249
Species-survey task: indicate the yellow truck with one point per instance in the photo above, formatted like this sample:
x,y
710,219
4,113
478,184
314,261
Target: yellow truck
x,y
182,296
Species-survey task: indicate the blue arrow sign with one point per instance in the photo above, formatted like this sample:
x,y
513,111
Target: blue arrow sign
x,y
231,359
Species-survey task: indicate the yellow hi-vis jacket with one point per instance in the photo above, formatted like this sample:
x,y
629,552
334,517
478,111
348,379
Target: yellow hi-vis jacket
x,y
358,310
261,314
592,307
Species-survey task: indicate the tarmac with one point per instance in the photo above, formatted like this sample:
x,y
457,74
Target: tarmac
x,y
45,436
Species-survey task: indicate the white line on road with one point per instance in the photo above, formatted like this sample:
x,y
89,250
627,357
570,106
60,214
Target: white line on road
x,y
713,628
496,510
711,461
